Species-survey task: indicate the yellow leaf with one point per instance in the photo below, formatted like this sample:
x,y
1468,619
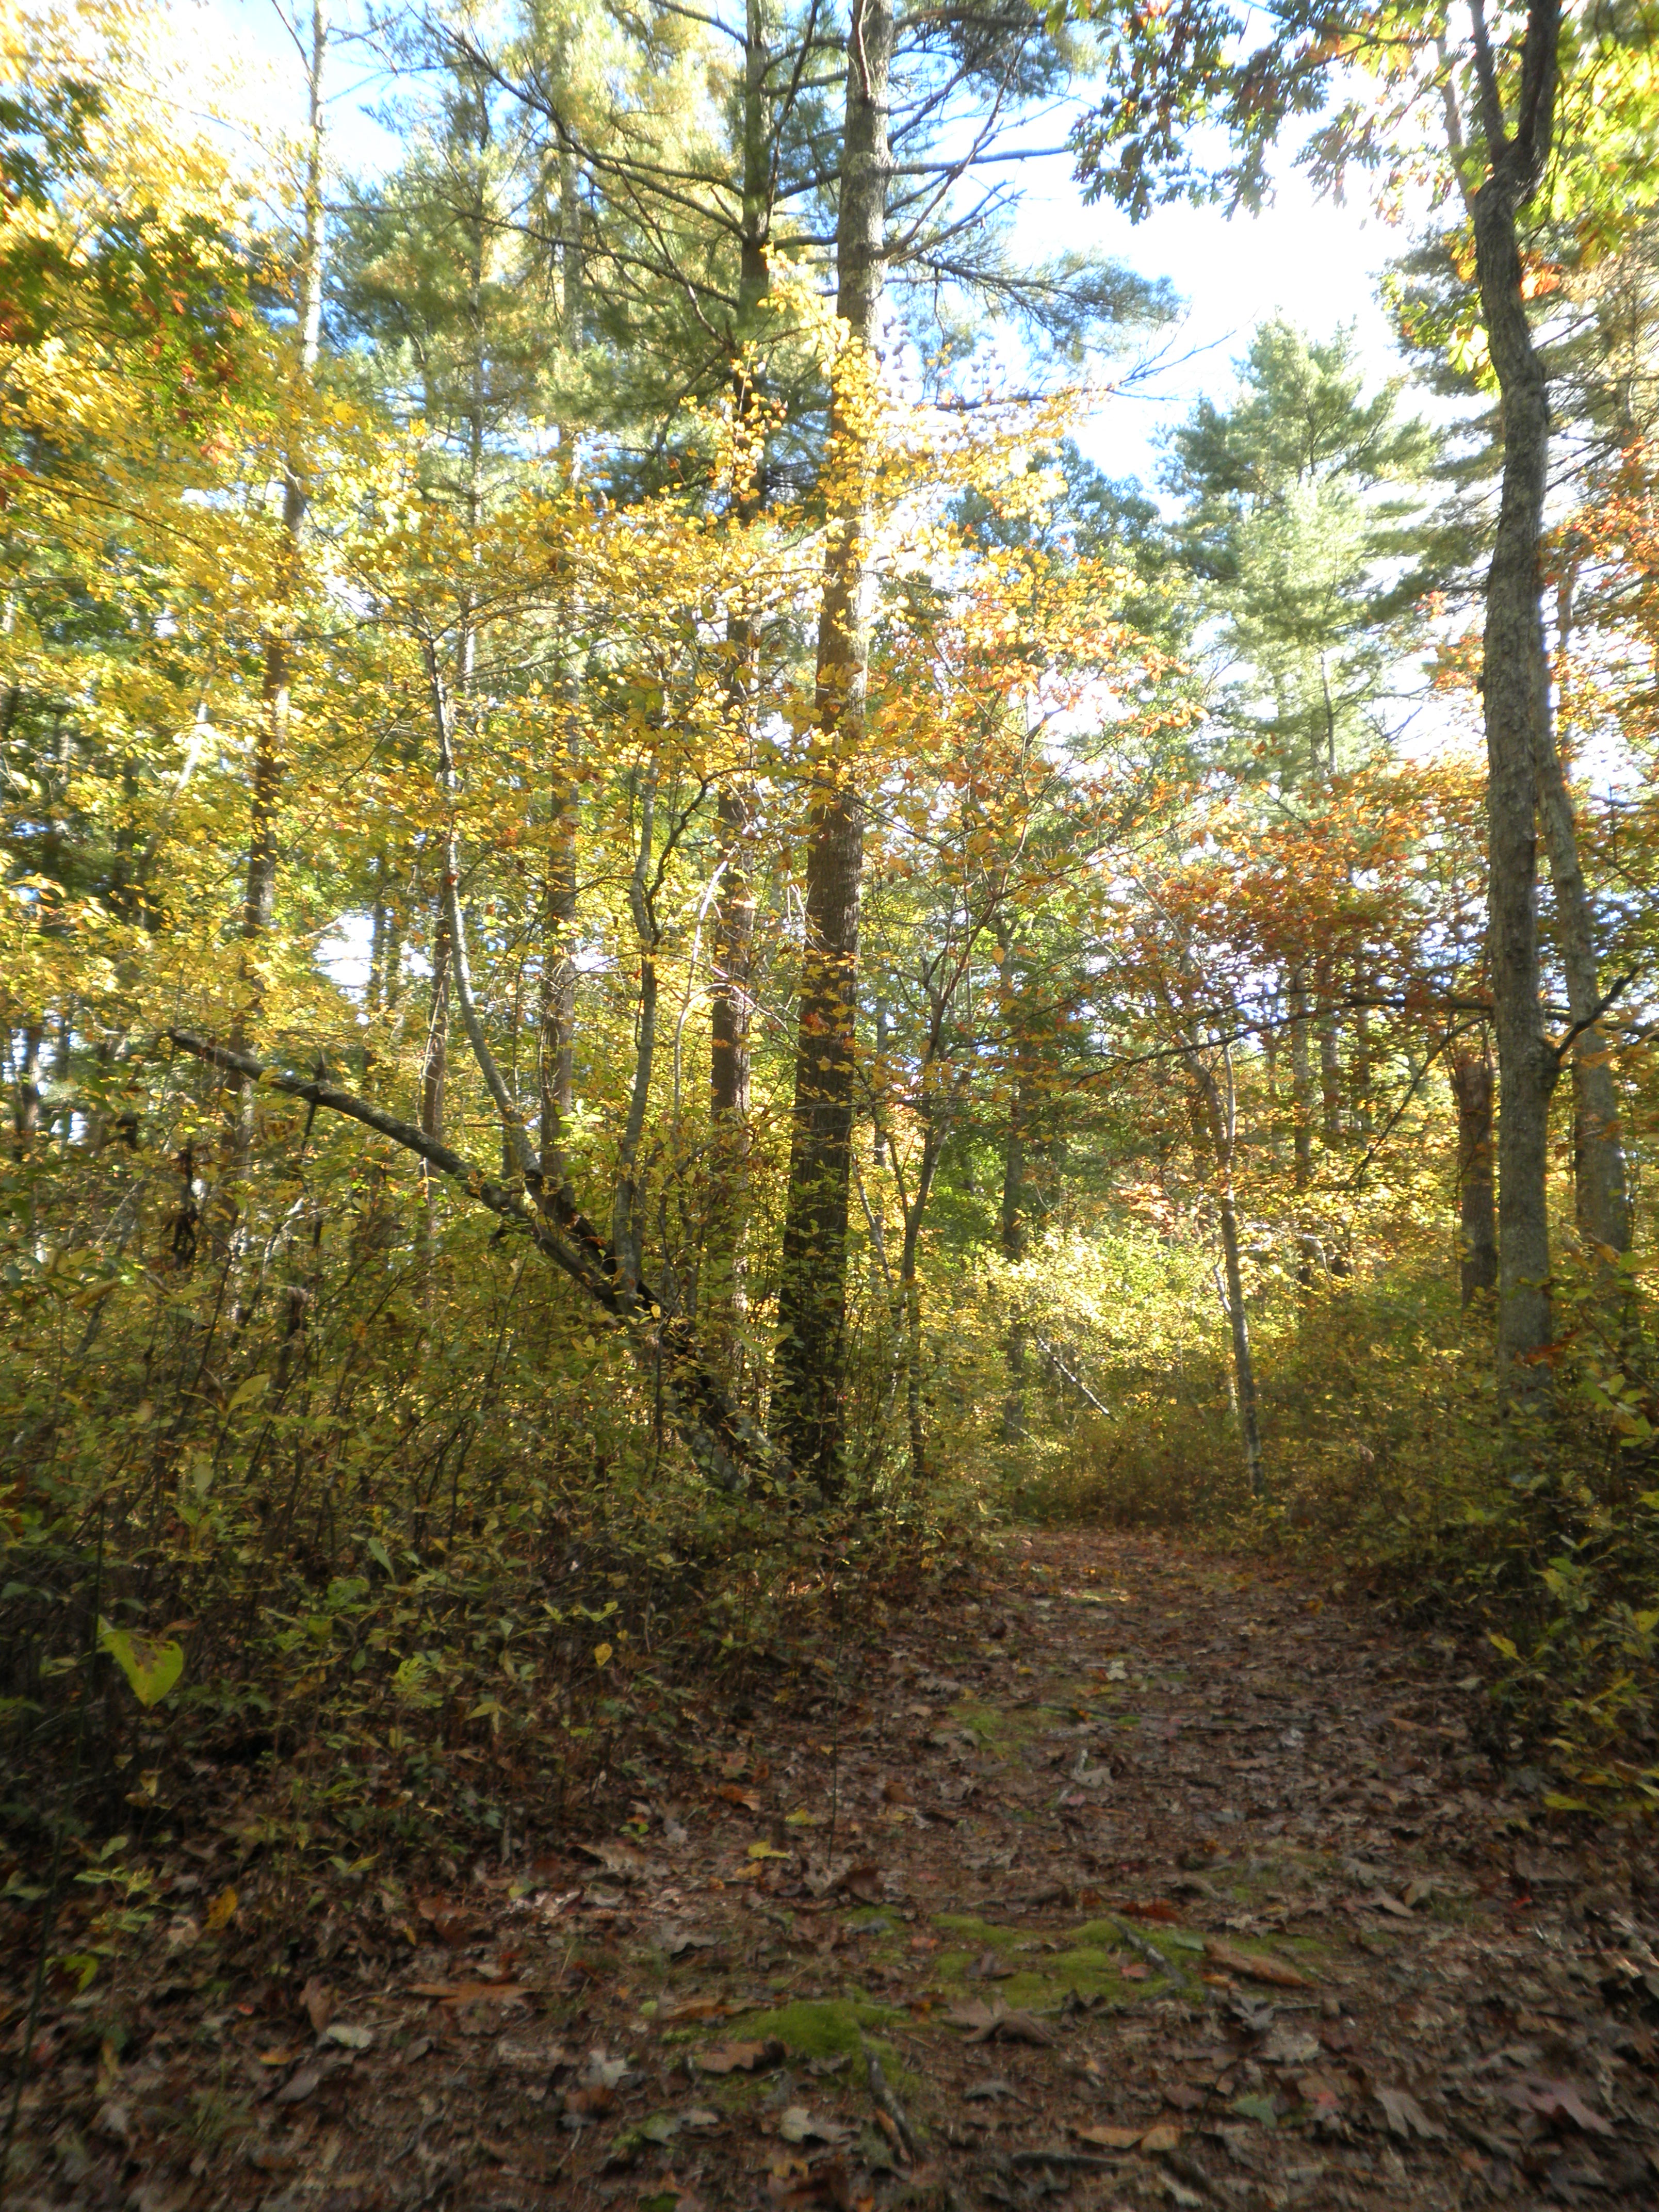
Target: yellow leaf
x,y
220,1910
601,1654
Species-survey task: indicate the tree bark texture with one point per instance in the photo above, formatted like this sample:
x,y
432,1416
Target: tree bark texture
x,y
1472,1088
1515,693
1601,1202
810,1377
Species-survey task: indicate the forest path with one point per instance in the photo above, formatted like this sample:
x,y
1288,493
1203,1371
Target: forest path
x,y
1151,1880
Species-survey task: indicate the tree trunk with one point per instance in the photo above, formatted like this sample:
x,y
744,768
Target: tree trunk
x,y
1600,1199
556,1052
557,1007
28,1091
1301,1112
435,1068
1515,692
1215,1119
1330,1061
811,1381
270,742
1471,1087
730,1003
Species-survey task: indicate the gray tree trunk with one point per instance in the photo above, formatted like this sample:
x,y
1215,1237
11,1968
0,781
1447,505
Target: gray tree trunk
x,y
810,1388
1515,685
1472,1088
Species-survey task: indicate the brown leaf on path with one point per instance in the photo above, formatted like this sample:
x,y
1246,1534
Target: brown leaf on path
x,y
740,2057
1556,2101
863,1882
1106,2138
473,1992
622,1860
299,2086
989,2088
1254,1966
1184,2098
317,2000
986,2022
750,1800
1406,2117
676,2015
1166,2135
990,1967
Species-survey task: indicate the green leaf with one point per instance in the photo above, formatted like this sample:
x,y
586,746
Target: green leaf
x,y
1558,1803
151,1667
1502,1644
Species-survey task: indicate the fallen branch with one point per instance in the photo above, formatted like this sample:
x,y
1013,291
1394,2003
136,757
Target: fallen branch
x,y
731,1450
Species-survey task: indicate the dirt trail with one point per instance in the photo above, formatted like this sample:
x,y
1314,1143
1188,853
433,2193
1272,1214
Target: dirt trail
x,y
1142,1881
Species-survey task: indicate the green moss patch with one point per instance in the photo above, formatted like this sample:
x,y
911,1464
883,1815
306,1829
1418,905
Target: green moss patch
x,y
1088,1963
817,2027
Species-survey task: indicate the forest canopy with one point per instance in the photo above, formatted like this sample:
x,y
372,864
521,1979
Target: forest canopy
x,y
657,948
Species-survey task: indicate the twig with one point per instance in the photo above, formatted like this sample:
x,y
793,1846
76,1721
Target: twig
x,y
889,2105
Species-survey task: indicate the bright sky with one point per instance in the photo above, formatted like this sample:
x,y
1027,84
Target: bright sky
x,y
1314,262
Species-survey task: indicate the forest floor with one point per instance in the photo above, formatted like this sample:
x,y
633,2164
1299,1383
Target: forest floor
x,y
1144,1880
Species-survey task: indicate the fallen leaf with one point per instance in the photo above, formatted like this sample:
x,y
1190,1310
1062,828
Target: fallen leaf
x,y
452,1924
1110,2138
221,1912
1184,2098
299,2086
677,1941
1557,2101
1165,2136
622,1860
796,2125
1406,2117
1289,2046
990,2088
690,2008
740,2057
749,1799
317,2000
1380,1901
349,2038
473,1992
1261,2109
863,1882
1254,1966
990,1967
524,2055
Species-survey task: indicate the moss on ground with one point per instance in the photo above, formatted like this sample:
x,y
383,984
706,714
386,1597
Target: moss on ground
x,y
1085,1962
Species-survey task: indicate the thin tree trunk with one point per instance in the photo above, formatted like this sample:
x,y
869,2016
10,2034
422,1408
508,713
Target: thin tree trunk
x,y
1330,1061
730,999
272,740
1515,691
435,1069
28,1091
811,1380
1471,1087
1601,1198
557,1006
1011,1229
1217,1123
